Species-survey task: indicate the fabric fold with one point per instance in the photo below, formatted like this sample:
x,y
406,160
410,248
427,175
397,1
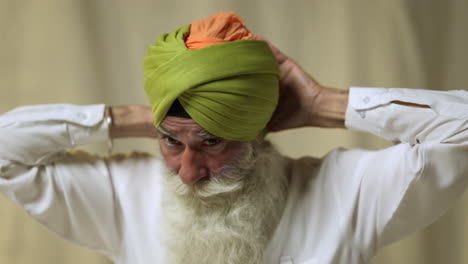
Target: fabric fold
x,y
230,88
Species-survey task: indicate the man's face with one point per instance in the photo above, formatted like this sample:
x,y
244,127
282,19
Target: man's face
x,y
192,152
228,200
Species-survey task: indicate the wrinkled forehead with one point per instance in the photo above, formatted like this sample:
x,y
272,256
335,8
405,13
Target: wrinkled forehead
x,y
173,126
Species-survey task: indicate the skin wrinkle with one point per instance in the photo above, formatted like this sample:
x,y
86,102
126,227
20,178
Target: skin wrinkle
x,y
203,134
191,156
166,132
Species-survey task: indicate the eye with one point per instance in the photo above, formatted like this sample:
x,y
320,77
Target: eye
x,y
211,141
170,141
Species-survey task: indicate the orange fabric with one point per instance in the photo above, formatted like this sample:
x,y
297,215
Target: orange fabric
x,y
216,29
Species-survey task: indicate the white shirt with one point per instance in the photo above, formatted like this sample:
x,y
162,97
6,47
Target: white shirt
x,y
340,209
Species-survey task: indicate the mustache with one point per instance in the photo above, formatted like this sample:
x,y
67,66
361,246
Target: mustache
x,y
223,181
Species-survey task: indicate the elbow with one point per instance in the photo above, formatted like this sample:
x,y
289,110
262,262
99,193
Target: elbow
x,y
445,165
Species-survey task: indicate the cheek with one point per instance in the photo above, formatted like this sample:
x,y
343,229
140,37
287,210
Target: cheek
x,y
172,161
217,161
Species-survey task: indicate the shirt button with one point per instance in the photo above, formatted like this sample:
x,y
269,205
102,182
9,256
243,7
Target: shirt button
x,y
362,114
366,99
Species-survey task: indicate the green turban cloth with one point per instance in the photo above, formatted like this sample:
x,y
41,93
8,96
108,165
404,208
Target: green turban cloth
x,y
229,89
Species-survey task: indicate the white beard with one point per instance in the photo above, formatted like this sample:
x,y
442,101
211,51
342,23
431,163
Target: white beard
x,y
229,218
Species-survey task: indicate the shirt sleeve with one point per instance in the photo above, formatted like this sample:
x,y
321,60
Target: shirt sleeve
x,y
408,186
70,193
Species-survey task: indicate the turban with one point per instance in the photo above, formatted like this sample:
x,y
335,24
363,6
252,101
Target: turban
x,y
224,77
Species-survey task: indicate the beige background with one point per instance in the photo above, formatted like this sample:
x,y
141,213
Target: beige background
x,y
84,52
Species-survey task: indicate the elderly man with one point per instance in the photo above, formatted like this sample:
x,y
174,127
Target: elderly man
x,y
221,193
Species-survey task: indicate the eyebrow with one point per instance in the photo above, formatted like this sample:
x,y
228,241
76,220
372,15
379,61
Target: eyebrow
x,y
205,134
167,132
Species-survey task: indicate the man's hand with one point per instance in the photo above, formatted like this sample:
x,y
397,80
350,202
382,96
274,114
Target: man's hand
x,y
131,121
303,101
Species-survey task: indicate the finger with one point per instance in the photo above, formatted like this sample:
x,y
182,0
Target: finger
x,y
280,57
278,118
287,123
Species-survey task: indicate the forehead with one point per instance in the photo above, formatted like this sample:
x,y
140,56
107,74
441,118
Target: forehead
x,y
180,124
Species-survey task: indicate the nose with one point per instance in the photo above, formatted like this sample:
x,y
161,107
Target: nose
x,y
192,167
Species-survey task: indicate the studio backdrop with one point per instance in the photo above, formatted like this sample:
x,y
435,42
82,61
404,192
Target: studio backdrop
x,y
87,52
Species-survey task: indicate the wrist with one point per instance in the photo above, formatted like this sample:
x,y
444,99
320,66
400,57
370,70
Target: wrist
x,y
131,121
329,108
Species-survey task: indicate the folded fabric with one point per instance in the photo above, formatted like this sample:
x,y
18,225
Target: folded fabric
x,y
224,76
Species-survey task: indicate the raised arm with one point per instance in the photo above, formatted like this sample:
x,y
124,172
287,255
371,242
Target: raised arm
x,y
408,186
70,193
131,121
304,102
394,191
